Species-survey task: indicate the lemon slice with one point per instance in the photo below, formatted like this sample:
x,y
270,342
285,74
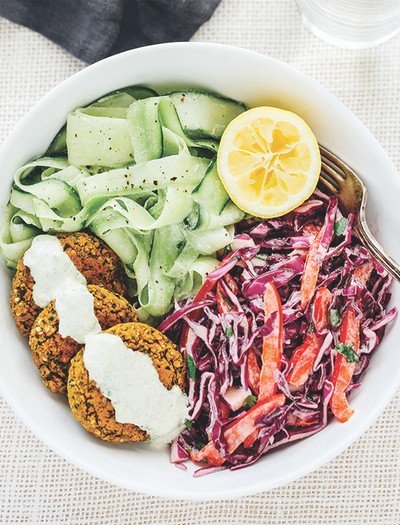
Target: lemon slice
x,y
268,161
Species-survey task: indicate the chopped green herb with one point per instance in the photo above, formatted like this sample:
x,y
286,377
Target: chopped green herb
x,y
226,300
334,317
311,398
227,250
348,352
188,423
191,366
250,401
228,332
340,226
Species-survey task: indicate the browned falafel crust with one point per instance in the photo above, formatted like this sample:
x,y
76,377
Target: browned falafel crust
x,y
23,306
91,256
95,260
52,353
94,411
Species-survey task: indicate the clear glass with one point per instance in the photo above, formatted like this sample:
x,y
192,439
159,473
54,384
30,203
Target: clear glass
x,y
352,23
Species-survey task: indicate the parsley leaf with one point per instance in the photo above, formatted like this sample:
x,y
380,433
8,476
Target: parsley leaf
x,y
250,401
348,352
228,332
227,250
191,366
334,317
188,423
340,226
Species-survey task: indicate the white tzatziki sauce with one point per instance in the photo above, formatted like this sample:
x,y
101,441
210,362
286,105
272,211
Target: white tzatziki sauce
x,y
126,377
75,309
131,382
56,278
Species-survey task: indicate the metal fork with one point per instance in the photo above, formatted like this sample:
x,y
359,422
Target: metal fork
x,y
340,180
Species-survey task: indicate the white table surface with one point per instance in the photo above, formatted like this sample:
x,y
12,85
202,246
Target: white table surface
x,y
362,485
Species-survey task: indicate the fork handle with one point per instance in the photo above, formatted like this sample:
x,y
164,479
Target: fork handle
x,y
390,265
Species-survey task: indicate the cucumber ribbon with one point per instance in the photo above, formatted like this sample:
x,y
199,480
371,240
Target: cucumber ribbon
x,y
125,169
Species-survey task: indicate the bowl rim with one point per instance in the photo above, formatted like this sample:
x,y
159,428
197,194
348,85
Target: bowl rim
x,y
229,492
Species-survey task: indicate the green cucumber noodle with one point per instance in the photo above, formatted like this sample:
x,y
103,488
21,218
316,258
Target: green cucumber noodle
x,y
138,170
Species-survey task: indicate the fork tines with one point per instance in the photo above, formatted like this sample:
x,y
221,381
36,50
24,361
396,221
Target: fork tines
x,y
330,171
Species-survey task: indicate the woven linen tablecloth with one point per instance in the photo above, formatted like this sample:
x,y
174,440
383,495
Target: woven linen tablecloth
x,y
362,485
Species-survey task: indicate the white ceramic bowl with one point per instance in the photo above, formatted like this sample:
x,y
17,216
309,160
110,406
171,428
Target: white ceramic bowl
x,y
254,79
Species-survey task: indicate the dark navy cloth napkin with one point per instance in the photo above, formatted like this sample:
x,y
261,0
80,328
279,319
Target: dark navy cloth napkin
x,y
94,29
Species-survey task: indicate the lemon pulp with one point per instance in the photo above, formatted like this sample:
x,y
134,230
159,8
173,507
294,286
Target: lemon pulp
x,y
268,161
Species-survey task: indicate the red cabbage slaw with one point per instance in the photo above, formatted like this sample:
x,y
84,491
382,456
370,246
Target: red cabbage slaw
x,y
222,342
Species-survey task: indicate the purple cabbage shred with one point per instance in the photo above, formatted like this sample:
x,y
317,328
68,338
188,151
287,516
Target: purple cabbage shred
x,y
220,342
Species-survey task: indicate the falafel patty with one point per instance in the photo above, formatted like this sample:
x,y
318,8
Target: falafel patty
x,y
90,255
52,353
94,411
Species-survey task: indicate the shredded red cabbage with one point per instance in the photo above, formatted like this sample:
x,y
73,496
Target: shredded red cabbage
x,y
219,343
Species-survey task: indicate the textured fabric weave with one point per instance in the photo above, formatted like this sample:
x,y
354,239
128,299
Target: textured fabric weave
x,y
362,485
94,29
